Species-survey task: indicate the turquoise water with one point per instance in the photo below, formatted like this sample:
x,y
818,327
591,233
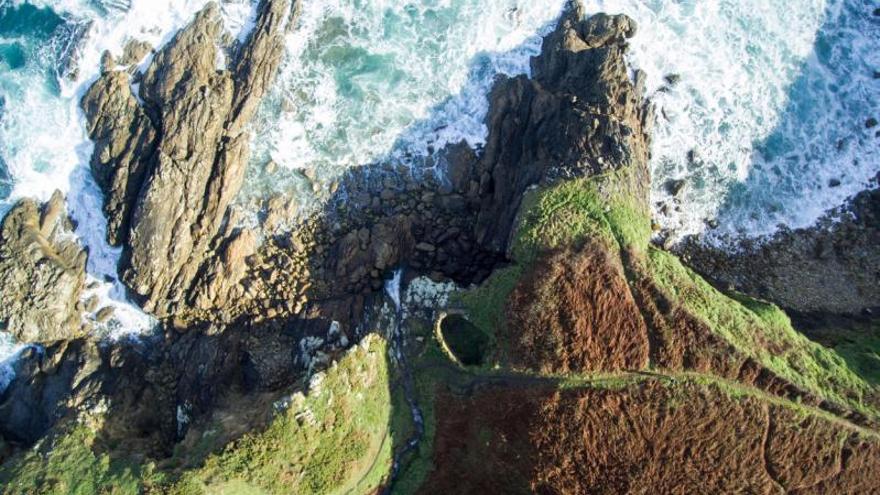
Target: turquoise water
x,y
769,112
31,41
363,80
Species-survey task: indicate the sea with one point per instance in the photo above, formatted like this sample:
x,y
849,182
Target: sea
x,y
762,105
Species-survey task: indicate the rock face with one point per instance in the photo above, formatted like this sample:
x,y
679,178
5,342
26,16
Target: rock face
x,y
42,272
145,382
171,161
829,268
579,114
171,166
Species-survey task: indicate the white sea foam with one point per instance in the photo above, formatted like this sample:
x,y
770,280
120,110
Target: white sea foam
x,y
365,79
9,351
43,140
772,99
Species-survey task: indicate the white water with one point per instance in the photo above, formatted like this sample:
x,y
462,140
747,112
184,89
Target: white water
x,y
43,141
9,351
773,98
366,79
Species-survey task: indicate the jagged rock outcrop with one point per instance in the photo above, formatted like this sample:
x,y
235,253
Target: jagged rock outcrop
x,y
125,141
145,383
51,381
578,114
170,166
831,267
42,272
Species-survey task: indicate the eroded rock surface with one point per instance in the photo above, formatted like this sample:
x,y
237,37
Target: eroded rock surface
x,y
170,166
832,267
578,115
42,272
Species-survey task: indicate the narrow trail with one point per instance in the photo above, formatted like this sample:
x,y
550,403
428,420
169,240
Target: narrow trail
x,y
467,382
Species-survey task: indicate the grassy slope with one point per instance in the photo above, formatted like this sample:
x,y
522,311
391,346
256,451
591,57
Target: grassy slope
x,y
763,332
561,216
565,214
334,440
71,467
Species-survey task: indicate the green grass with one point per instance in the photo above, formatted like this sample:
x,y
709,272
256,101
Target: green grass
x,y
863,356
485,304
334,440
71,467
763,332
571,212
560,216
420,464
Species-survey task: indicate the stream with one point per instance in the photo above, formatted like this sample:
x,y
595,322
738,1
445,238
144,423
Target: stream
x,y
392,287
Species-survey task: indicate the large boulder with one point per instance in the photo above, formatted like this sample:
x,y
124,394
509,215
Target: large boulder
x,y
42,272
171,166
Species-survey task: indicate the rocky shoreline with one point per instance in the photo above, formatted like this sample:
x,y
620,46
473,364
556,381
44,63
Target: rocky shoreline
x,y
248,313
830,268
217,287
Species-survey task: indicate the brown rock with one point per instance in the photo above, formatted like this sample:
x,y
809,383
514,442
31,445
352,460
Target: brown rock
x,y
170,216
42,272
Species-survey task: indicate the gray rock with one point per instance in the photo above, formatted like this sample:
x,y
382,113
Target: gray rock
x,y
125,142
134,52
830,267
579,115
675,186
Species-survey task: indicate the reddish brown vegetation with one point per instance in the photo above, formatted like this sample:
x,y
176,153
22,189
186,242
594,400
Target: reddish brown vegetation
x,y
573,312
576,312
648,437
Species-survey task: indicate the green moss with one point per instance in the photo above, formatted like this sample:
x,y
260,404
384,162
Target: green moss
x,y
335,440
863,356
562,215
71,467
763,332
569,213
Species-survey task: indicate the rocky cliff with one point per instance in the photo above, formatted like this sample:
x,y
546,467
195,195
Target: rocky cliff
x,y
540,344
172,157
